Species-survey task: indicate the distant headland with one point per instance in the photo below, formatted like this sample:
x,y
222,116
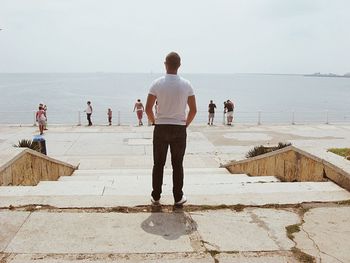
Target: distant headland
x,y
328,75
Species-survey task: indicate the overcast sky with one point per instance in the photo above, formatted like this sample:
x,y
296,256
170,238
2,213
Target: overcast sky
x,y
212,36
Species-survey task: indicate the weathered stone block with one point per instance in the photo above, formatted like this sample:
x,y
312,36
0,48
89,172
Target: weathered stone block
x,y
6,177
30,168
291,164
338,177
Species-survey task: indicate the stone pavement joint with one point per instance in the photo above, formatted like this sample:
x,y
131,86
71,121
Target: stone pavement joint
x,y
225,257
303,207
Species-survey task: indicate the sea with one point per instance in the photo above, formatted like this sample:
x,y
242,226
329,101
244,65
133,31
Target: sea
x,y
258,98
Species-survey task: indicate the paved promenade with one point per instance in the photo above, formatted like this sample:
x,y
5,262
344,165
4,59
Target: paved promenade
x,y
102,213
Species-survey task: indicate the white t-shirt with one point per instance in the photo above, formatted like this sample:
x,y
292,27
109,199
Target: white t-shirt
x,y
172,92
88,109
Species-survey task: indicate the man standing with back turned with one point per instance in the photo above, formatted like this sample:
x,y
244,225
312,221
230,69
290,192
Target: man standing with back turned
x,y
173,94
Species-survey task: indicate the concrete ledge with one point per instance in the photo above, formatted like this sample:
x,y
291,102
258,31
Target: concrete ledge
x,y
27,167
292,164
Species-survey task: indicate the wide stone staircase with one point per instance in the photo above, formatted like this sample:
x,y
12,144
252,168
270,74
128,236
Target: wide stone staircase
x,y
202,186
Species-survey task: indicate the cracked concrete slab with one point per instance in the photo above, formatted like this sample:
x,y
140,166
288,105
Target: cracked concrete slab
x,y
257,257
103,233
10,223
120,258
325,234
249,230
248,136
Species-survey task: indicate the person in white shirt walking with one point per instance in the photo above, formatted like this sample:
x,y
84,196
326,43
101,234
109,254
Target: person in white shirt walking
x,y
172,93
89,112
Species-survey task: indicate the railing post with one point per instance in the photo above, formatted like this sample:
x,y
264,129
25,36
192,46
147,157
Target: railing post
x,y
79,118
34,114
327,117
259,117
118,117
293,118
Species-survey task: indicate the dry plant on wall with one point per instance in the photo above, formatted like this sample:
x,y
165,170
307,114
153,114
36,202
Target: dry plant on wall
x,y
259,150
24,143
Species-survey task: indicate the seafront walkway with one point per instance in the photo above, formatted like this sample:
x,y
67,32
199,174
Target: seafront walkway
x,y
102,213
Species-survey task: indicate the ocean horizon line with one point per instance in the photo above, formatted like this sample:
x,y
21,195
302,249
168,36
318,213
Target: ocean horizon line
x,y
159,73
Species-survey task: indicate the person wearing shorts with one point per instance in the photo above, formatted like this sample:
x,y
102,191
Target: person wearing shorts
x,y
229,107
41,119
139,111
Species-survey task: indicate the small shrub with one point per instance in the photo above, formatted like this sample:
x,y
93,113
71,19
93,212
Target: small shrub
x,y
283,145
259,150
28,144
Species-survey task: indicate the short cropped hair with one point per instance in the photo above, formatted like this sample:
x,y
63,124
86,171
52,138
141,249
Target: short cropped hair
x,y
173,60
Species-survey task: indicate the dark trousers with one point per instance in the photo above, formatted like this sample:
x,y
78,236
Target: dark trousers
x,y
163,137
88,116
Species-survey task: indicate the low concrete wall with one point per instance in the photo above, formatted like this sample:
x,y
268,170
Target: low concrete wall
x,y
28,167
291,164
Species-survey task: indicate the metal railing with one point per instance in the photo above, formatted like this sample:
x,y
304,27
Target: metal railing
x,y
129,118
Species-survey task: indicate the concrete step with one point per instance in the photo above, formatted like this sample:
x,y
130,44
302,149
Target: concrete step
x,y
44,184
189,179
248,194
228,188
129,188
55,189
148,172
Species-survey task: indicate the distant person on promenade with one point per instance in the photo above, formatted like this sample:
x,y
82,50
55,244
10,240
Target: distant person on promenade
x,y
109,114
139,110
89,112
211,110
173,93
41,119
228,109
45,109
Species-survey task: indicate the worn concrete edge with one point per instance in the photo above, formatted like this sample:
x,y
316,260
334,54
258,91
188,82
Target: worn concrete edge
x,y
295,149
167,208
140,257
26,151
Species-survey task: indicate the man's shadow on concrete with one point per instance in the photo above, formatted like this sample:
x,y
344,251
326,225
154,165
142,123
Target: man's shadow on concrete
x,y
169,225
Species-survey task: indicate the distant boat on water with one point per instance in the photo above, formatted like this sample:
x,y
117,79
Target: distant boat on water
x,y
328,75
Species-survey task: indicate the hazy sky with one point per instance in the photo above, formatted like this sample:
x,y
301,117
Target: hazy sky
x,y
212,36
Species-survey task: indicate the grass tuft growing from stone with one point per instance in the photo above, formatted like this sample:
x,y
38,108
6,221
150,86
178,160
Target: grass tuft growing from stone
x,y
340,151
303,257
292,229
